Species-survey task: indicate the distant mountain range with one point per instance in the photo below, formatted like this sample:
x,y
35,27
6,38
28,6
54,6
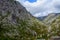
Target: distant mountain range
x,y
41,18
49,15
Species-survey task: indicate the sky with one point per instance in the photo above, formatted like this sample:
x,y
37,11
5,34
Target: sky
x,y
41,7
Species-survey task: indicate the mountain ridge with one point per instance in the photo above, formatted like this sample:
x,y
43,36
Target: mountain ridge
x,y
43,17
16,23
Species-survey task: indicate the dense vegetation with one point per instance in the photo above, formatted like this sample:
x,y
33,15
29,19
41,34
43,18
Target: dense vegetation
x,y
18,24
23,30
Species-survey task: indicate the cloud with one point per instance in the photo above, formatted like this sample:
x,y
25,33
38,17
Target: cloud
x,y
41,7
57,5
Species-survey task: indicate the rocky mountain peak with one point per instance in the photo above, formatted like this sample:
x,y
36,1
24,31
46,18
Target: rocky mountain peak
x,y
12,9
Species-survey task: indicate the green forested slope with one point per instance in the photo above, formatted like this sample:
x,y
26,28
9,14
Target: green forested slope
x,y
18,24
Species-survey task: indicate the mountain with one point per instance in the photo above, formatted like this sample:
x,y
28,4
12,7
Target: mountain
x,y
56,26
51,17
16,23
53,23
41,18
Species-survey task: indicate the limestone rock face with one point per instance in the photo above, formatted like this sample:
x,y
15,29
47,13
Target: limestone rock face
x,y
14,8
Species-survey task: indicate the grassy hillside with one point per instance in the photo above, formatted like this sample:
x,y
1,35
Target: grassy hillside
x,y
56,26
53,23
30,29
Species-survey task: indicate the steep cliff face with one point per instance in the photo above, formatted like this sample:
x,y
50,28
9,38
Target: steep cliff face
x,y
14,8
18,24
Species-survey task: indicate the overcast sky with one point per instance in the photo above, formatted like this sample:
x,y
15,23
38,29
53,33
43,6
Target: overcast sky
x,y
41,7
